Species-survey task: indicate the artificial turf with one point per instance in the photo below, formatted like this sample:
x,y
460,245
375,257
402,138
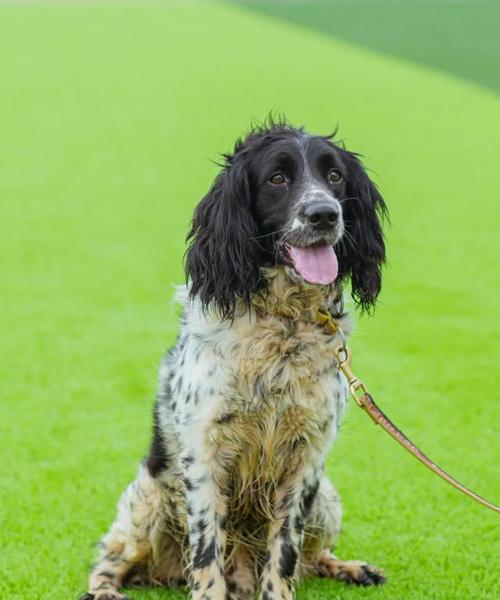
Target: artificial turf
x,y
109,115
459,36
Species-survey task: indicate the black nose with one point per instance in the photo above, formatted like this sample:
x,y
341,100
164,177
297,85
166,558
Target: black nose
x,y
321,215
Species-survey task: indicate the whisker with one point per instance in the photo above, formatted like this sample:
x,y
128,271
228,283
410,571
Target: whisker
x,y
350,238
269,234
276,256
342,245
287,230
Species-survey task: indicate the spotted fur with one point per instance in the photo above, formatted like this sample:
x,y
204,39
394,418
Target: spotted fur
x,y
232,497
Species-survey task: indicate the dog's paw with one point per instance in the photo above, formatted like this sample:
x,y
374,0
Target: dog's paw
x,y
104,595
360,573
353,572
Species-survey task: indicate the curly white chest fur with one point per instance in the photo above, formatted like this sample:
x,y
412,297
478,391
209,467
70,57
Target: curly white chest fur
x,y
257,397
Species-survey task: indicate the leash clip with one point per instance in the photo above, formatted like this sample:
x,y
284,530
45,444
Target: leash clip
x,y
344,356
344,362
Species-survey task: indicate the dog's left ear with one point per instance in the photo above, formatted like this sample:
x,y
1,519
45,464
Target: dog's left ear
x,y
363,249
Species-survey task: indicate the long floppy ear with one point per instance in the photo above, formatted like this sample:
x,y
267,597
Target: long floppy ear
x,y
363,249
222,259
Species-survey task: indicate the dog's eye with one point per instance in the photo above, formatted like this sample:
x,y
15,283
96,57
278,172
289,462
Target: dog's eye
x,y
334,176
277,179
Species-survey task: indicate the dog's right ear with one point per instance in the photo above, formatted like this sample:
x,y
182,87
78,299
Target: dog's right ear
x,y
222,260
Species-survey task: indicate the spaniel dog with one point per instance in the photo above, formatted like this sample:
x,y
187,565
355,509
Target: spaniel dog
x,y
232,498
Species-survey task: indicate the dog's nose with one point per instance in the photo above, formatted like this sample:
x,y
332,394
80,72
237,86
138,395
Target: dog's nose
x,y
321,215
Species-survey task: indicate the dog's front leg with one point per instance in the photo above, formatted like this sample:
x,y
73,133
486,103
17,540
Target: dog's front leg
x,y
285,534
207,536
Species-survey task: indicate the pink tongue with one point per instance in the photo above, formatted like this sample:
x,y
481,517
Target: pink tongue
x,y
315,265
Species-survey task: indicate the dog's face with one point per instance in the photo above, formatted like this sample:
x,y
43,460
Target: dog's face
x,y
286,197
299,189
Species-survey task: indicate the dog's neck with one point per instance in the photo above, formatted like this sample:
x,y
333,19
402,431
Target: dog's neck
x,y
285,297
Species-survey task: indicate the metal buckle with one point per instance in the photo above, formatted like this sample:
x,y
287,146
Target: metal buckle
x,y
324,318
343,355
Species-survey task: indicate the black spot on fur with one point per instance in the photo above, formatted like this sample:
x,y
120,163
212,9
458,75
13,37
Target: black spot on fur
x,y
187,460
189,484
201,525
308,498
288,560
225,418
158,458
205,555
299,523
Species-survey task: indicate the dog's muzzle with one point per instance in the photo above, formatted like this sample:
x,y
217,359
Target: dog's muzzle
x,y
320,216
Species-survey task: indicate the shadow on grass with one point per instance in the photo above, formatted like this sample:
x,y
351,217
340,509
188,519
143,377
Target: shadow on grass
x,y
458,37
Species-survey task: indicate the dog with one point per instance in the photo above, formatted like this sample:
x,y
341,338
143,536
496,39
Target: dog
x,y
232,498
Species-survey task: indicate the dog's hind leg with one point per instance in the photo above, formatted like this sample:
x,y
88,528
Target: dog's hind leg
x,y
128,544
321,533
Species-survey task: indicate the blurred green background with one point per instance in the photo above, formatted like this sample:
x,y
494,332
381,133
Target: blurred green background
x,y
110,116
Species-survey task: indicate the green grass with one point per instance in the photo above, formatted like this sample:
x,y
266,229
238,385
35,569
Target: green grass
x,y
459,36
109,116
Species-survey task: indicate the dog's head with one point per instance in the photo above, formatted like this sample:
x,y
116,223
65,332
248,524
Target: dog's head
x,y
286,197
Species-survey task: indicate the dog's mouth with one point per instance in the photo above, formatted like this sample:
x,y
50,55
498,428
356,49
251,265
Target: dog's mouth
x,y
315,264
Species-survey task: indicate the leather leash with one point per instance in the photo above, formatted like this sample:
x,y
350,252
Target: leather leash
x,y
365,400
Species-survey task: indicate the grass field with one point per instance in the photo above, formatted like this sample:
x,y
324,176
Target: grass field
x,y
109,116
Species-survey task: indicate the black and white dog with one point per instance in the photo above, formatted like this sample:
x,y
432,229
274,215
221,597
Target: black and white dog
x,y
232,497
